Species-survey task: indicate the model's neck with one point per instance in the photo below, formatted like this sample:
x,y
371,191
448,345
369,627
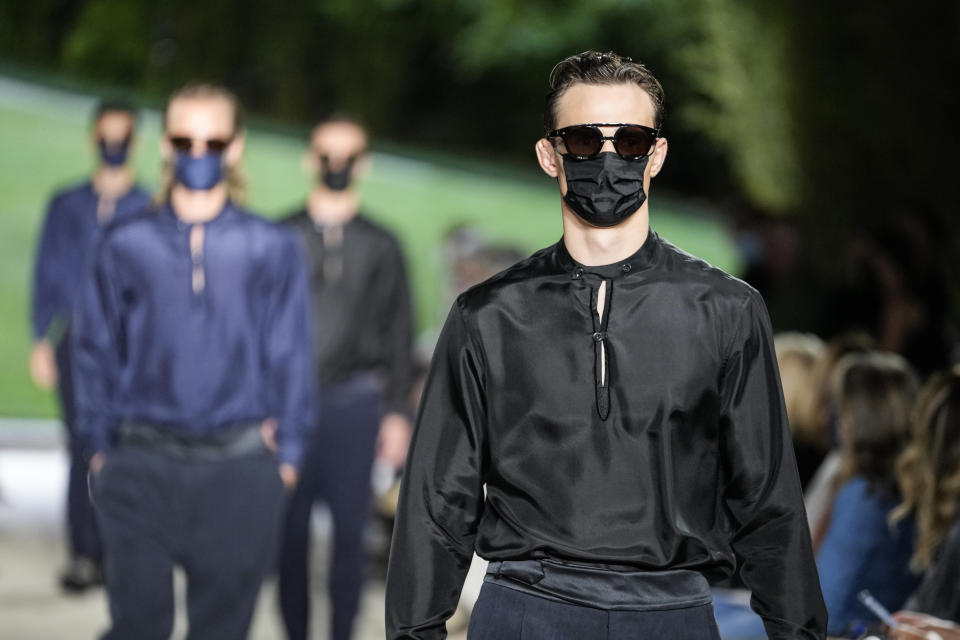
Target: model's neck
x,y
595,246
112,182
196,206
332,208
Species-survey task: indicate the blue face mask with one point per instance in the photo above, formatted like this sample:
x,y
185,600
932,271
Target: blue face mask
x,y
201,173
114,155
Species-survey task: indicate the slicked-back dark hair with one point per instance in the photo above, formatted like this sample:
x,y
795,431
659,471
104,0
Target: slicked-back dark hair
x,y
115,105
594,67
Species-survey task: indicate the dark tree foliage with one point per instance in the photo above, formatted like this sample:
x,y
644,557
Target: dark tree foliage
x,y
837,113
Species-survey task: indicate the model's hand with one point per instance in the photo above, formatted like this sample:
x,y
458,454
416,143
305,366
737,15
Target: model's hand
x,y
43,365
394,439
96,462
289,475
268,431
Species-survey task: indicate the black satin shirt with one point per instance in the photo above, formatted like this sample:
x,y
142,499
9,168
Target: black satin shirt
x,y
362,311
654,438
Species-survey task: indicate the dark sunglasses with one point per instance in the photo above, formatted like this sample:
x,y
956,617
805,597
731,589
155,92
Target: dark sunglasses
x,y
584,141
183,144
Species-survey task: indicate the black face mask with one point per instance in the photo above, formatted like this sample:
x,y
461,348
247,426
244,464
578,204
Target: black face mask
x,y
337,180
605,190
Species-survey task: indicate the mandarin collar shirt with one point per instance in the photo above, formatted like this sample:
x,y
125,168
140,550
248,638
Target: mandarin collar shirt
x,y
70,232
653,437
363,322
195,341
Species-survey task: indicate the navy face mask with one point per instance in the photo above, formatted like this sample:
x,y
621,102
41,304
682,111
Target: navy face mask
x,y
337,180
604,190
114,155
199,173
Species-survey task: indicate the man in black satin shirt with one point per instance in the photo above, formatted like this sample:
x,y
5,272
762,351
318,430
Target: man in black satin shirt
x,y
364,330
603,421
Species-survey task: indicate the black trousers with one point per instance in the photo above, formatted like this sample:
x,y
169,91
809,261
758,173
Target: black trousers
x,y
561,605
81,518
336,471
219,520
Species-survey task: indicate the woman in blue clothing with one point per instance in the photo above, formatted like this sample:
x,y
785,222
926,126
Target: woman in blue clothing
x,y
862,549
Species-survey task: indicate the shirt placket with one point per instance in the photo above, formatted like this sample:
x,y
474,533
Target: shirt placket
x,y
601,290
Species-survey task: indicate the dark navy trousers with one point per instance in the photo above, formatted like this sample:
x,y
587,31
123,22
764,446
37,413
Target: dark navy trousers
x,y
503,613
336,471
218,519
81,518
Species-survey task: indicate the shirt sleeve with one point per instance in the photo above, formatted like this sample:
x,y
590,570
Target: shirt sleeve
x,y
397,329
441,494
49,297
96,340
761,490
288,353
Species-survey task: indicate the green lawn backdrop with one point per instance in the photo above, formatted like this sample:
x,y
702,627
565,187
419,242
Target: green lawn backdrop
x,y
45,146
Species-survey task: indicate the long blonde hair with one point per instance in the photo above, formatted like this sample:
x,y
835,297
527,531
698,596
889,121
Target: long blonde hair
x,y
236,178
929,469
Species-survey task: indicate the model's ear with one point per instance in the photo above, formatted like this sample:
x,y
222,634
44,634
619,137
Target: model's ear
x,y
362,165
548,158
235,150
659,157
309,163
166,149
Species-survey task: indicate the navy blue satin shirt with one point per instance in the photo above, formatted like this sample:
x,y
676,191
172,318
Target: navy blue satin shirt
x,y
195,342
70,232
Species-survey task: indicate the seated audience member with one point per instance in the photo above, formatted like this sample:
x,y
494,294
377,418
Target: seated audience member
x,y
797,355
929,476
862,550
821,490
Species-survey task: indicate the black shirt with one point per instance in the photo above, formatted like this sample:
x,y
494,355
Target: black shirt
x,y
361,304
939,593
654,438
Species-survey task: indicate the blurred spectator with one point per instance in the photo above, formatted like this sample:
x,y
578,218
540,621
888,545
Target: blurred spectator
x,y
797,355
821,415
929,476
192,354
71,229
362,365
893,288
875,393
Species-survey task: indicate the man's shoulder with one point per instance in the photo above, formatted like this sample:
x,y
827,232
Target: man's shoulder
x,y
373,230
685,268
67,196
273,231
123,227
491,290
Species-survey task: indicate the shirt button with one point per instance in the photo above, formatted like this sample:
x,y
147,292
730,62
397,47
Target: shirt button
x,y
598,336
626,268
578,273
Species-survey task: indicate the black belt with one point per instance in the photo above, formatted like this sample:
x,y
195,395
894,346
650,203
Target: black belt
x,y
236,441
603,587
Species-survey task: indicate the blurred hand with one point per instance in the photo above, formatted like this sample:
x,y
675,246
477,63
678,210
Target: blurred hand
x,y
43,365
919,626
268,431
96,462
289,476
394,439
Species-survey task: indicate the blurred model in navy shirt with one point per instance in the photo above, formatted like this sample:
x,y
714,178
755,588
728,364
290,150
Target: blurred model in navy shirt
x,y
194,384
71,228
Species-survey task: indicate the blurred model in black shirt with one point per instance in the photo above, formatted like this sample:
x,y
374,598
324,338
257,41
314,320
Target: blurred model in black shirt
x,y
363,336
603,421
